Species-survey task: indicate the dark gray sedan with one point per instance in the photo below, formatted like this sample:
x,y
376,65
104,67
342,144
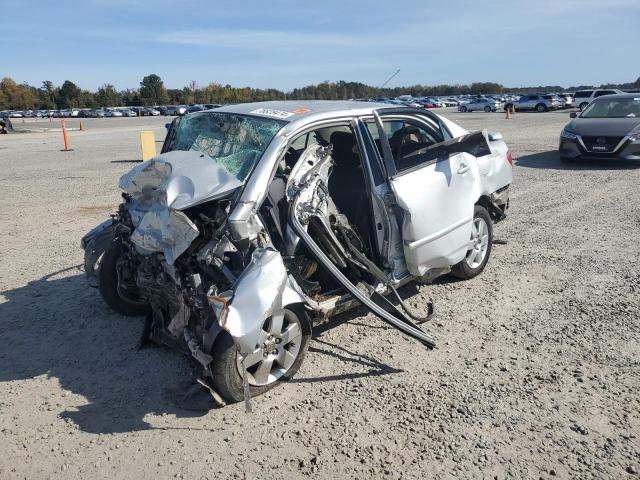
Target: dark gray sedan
x,y
608,128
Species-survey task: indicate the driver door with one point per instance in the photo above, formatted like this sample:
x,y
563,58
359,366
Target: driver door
x,y
433,178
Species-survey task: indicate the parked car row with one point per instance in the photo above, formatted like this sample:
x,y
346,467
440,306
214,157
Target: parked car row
x,y
108,111
538,102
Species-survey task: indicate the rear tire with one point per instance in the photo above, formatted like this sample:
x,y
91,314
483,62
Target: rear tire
x,y
108,285
227,380
476,259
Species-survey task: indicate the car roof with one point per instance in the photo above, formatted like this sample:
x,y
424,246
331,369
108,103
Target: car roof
x,y
619,95
304,111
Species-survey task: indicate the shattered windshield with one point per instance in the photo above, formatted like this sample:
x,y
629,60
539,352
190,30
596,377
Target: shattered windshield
x,y
236,142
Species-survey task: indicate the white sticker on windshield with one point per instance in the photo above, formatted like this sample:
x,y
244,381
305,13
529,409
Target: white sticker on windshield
x,y
272,113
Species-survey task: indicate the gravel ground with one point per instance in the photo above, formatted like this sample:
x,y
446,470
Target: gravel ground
x,y
536,374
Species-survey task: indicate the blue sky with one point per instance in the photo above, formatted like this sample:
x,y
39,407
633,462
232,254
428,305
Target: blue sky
x,y
289,43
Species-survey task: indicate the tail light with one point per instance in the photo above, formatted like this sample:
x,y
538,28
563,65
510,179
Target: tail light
x,y
509,158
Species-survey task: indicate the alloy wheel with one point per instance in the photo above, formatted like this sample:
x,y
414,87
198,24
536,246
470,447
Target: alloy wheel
x,y
479,241
277,349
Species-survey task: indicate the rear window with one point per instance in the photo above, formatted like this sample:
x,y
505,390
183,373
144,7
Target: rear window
x,y
409,141
583,94
604,92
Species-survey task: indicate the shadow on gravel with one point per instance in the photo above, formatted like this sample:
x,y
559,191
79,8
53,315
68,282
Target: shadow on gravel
x,y
125,161
59,327
376,368
551,160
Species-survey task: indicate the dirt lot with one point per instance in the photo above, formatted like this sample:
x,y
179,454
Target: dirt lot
x,y
536,375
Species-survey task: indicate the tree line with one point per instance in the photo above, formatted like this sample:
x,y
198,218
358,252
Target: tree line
x,y
152,91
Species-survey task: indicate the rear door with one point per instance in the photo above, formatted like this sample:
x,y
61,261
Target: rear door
x,y
435,181
520,104
531,102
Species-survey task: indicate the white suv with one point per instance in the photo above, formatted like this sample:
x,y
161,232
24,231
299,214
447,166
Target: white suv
x,y
582,98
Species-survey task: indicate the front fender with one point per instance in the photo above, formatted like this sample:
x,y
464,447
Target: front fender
x,y
95,243
263,290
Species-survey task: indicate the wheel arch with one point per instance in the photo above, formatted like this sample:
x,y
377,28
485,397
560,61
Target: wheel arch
x,y
489,205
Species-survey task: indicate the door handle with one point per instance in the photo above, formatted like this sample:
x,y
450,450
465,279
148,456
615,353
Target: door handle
x,y
464,168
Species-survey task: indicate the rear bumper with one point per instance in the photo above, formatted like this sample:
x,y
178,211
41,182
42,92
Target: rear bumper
x,y
499,204
575,149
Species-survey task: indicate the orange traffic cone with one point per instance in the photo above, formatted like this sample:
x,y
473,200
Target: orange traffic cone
x,y
81,127
65,137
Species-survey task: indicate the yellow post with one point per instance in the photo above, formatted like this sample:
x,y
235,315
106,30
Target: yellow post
x,y
147,144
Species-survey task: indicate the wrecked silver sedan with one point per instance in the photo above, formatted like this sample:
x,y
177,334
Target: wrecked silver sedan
x,y
258,220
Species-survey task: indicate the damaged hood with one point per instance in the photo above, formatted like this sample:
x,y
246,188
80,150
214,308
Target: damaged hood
x,y
161,188
179,180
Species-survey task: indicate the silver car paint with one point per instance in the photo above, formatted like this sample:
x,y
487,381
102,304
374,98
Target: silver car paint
x,y
262,291
425,229
264,288
178,180
306,188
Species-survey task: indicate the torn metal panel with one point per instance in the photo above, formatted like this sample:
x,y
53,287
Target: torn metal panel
x,y
147,176
313,166
179,320
164,230
248,229
261,291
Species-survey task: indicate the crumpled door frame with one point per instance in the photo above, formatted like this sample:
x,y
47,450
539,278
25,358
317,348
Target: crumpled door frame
x,y
302,189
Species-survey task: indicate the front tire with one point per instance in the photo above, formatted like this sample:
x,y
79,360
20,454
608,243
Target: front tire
x,y
108,284
463,109
541,107
487,109
273,362
478,255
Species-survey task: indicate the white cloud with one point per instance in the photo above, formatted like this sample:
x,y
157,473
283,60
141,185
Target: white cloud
x,y
255,39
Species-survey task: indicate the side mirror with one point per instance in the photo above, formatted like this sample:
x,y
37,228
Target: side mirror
x,y
494,136
573,115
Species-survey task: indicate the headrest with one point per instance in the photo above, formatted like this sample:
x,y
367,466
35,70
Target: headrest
x,y
342,141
